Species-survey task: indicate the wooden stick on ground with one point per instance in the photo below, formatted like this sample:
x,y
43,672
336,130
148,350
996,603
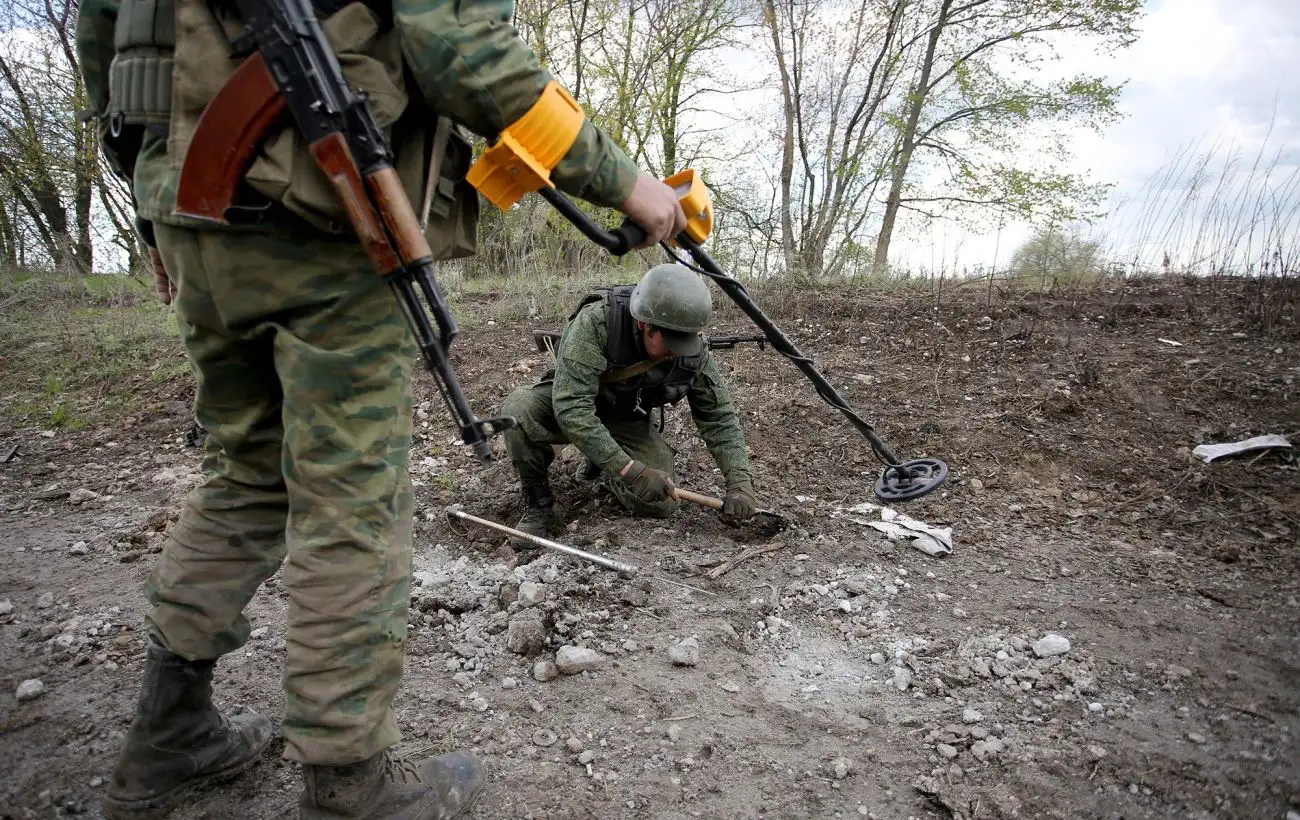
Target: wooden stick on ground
x,y
749,552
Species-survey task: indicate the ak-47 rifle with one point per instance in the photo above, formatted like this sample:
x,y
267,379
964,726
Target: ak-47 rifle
x,y
289,65
547,340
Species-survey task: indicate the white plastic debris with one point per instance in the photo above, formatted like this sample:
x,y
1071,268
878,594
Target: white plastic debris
x,y
931,540
1209,452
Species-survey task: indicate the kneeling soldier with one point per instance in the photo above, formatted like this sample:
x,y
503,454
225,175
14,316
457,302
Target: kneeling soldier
x,y
625,351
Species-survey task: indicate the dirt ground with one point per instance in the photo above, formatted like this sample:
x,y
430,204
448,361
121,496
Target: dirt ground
x,y
839,674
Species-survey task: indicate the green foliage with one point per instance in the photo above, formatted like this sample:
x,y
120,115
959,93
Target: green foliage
x,y
1056,257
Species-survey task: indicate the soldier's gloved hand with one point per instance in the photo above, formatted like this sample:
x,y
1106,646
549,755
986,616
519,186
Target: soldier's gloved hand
x,y
739,504
649,484
654,206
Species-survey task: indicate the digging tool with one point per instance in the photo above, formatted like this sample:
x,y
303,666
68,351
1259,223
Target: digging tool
x,y
623,569
900,480
770,521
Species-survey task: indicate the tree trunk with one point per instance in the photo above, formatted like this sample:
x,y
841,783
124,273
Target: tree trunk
x,y
915,104
787,141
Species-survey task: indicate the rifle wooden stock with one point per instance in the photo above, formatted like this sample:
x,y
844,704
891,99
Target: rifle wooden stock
x,y
230,131
335,159
390,197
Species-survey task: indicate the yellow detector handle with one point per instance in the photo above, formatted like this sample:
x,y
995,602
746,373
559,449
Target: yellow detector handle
x,y
695,201
521,160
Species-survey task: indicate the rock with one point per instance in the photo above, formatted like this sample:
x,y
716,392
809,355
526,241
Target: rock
x,y
81,495
79,548
945,751
509,683
545,671
259,633
30,690
1051,645
6,608
96,782
844,606
531,593
980,666
462,680
478,703
525,633
674,732
574,659
976,484
630,646
685,653
971,716
979,732
1095,707
984,749
634,596
423,578
958,612
1096,752
1196,738
544,738
45,601
842,767
902,678
586,757
574,745
1019,644
878,659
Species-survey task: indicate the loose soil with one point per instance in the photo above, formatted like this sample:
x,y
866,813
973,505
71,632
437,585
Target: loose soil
x,y
840,674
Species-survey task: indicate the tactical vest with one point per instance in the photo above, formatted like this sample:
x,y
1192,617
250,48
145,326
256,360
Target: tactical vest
x,y
173,56
635,396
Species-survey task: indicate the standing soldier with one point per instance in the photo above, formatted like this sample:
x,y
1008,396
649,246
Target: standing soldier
x,y
303,364
624,352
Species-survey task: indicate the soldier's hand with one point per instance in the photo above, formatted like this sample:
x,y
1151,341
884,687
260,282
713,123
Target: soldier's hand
x,y
654,206
162,283
739,504
649,484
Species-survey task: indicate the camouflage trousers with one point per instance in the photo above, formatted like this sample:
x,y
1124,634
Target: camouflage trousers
x,y
531,446
303,364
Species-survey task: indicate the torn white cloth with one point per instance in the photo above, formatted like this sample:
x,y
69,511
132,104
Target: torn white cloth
x,y
1209,452
931,540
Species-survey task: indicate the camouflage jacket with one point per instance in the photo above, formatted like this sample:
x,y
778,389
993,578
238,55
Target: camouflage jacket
x,y
468,62
580,362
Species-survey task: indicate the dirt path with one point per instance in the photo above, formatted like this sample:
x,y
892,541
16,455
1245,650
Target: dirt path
x,y
840,675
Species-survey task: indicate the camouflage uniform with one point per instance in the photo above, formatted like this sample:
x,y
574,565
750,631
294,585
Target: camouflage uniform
x,y
564,408
303,365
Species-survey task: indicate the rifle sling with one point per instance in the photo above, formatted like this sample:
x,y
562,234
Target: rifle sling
x,y
624,373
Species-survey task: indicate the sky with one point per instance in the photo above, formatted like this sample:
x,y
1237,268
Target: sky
x,y
1205,76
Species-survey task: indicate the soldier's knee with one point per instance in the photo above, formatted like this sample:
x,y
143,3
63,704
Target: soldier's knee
x,y
518,403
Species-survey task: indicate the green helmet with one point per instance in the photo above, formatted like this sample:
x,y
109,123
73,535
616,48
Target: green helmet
x,y
672,297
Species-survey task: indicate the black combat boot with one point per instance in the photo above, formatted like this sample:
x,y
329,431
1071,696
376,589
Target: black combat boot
x,y
178,740
390,788
539,513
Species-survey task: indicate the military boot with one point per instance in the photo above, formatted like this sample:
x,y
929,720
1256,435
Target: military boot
x,y
178,740
539,512
386,787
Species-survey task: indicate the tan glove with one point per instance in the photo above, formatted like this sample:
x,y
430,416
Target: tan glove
x,y
649,484
739,504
